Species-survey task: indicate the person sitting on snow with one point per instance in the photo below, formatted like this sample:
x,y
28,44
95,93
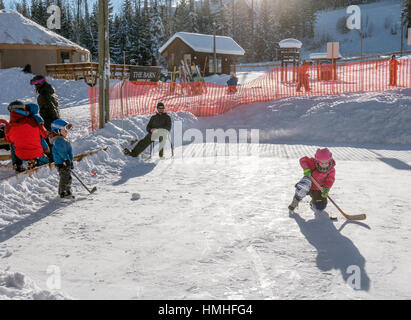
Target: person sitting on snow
x,y
321,168
25,135
161,120
63,156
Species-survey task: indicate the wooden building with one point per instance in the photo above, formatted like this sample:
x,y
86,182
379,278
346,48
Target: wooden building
x,y
289,56
22,42
198,49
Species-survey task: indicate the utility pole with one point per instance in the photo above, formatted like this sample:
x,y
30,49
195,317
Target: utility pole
x,y
103,63
215,49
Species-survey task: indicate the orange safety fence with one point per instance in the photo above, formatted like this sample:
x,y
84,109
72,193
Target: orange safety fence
x,y
209,99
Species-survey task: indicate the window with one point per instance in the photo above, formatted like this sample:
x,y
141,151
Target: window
x,y
219,65
65,56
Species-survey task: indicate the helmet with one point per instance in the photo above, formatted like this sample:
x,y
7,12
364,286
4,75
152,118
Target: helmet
x,y
18,107
58,124
38,80
32,108
324,157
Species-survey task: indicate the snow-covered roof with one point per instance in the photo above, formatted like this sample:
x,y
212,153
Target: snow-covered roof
x,y
17,29
290,43
204,43
321,55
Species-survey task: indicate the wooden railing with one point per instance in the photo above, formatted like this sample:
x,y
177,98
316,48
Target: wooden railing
x,y
86,70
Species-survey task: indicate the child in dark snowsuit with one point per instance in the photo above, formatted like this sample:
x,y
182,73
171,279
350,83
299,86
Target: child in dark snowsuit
x,y
321,168
63,156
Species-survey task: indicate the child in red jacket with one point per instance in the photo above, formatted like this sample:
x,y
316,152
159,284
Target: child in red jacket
x,y
321,168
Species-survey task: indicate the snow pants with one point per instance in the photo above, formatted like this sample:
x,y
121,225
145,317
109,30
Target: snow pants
x,y
303,188
65,180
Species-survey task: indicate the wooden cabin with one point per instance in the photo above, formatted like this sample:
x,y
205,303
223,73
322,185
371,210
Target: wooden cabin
x,y
23,41
198,49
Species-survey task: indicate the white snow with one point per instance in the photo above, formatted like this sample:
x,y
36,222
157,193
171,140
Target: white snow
x,y
205,43
212,222
290,43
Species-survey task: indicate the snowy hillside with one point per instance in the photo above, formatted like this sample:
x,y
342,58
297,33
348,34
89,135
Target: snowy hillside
x,y
212,222
379,21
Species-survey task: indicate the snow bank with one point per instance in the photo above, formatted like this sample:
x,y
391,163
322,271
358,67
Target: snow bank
x,y
15,85
17,286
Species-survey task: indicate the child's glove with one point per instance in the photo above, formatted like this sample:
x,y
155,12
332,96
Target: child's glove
x,y
68,164
307,172
324,194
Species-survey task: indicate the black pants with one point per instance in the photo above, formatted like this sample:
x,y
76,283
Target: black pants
x,y
317,199
143,144
65,180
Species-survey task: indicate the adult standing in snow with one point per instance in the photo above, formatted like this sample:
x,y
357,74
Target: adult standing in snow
x,y
393,65
303,77
47,100
161,120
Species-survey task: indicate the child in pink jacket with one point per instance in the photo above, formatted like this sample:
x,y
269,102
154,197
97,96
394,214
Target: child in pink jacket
x,y
321,168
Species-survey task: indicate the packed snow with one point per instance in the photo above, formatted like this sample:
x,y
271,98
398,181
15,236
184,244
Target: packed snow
x,y
212,222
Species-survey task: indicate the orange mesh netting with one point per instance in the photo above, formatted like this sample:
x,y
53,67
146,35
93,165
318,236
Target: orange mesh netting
x,y
209,99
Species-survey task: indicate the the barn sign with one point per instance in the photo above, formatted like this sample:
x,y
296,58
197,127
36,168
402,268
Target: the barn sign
x,y
143,73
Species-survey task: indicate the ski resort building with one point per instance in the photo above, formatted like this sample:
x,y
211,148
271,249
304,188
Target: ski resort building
x,y
198,49
23,41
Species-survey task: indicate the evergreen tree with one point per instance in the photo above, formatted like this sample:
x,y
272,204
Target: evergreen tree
x,y
2,6
206,18
181,18
156,32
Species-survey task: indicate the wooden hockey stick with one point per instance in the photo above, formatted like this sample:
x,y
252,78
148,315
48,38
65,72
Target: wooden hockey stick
x,y
346,216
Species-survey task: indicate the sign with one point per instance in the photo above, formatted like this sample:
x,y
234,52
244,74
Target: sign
x,y
333,50
143,73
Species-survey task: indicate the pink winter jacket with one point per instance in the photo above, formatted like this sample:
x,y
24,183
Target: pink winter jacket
x,y
325,179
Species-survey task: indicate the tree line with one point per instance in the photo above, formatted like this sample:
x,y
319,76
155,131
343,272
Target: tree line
x,y
140,27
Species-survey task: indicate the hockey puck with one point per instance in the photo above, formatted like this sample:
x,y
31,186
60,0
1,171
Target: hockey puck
x,y
135,196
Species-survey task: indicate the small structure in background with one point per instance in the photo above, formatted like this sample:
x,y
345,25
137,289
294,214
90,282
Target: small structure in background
x,y
289,56
198,49
23,42
327,62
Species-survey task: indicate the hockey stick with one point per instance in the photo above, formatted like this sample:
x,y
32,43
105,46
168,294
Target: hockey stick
x,y
346,216
90,191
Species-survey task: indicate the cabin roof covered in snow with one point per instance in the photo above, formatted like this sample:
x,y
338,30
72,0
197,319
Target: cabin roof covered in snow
x,y
204,43
17,29
290,43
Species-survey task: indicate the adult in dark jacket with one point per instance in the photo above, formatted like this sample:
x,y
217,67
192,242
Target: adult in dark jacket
x,y
47,100
161,120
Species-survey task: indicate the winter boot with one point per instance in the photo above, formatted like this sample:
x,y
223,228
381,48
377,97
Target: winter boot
x,y
127,152
18,168
294,204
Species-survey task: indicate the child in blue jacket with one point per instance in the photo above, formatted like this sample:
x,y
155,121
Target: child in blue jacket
x,y
63,156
